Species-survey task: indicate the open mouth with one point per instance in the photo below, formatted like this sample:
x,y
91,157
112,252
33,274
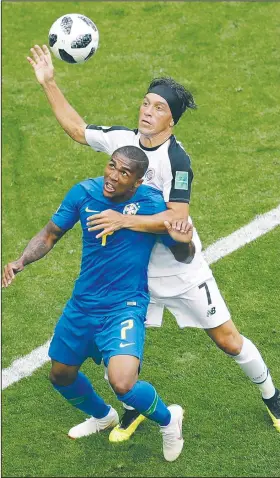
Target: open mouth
x,y
109,188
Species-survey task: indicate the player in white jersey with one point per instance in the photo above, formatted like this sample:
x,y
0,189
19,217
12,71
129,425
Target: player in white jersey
x,y
189,291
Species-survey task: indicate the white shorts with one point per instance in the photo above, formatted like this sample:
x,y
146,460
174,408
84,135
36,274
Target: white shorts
x,y
202,306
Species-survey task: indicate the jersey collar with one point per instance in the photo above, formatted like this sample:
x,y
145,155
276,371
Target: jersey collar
x,y
155,147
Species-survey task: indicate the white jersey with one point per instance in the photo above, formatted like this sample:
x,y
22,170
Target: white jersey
x,y
170,172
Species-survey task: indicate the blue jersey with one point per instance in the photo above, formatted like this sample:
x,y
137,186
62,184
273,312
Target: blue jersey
x,y
114,275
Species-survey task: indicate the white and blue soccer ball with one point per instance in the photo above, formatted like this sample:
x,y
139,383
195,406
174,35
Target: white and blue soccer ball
x,y
73,38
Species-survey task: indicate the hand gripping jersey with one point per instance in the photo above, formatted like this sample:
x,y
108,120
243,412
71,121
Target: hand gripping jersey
x,y
170,172
113,272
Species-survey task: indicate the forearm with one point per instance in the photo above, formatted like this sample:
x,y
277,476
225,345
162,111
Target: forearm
x,y
183,252
153,224
68,118
37,248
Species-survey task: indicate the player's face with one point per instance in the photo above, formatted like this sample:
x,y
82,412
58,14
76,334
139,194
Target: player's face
x,y
120,179
154,116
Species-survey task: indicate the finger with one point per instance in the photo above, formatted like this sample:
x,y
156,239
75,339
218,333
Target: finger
x,y
167,225
97,227
179,225
32,63
176,225
47,56
39,51
189,230
35,55
97,222
186,227
104,233
4,281
10,273
46,51
94,217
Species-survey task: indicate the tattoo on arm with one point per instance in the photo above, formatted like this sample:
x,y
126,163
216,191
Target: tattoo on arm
x,y
42,243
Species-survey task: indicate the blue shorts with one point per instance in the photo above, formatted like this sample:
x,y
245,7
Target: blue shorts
x,y
78,336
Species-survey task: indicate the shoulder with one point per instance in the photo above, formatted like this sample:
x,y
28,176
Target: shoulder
x,y
148,192
149,197
92,184
112,129
178,157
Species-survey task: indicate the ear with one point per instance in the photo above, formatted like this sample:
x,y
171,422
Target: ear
x,y
138,182
171,123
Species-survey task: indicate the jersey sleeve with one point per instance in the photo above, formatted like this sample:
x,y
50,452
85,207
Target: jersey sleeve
x,y
167,240
68,212
107,139
177,188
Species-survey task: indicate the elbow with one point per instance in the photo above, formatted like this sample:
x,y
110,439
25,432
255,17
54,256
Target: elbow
x,y
191,254
77,133
184,252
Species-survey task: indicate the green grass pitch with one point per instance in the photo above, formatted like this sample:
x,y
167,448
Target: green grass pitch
x,y
227,54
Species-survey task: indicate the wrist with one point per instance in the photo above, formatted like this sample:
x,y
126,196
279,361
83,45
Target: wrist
x,y
48,83
127,221
20,262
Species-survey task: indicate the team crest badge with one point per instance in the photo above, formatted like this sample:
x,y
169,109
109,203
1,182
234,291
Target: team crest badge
x,y
150,174
131,208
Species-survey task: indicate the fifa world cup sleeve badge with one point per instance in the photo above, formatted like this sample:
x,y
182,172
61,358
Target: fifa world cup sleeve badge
x,y
182,180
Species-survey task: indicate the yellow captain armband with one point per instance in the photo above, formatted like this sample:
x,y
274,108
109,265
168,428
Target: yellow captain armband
x,y
104,238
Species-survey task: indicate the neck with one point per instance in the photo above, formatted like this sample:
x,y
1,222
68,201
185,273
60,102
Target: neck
x,y
124,197
150,141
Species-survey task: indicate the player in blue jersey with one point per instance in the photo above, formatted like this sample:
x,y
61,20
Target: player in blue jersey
x,y
104,318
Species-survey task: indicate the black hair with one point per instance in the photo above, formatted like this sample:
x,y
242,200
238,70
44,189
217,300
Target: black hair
x,y
185,96
137,155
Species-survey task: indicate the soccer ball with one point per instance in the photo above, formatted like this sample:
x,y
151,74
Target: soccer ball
x,y
73,38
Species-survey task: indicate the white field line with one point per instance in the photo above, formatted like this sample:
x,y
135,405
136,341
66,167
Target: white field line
x,y
262,224
25,366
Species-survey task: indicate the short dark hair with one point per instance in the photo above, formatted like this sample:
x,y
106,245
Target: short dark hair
x,y
137,155
185,96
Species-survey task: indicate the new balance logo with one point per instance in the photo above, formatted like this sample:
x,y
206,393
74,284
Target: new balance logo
x,y
211,311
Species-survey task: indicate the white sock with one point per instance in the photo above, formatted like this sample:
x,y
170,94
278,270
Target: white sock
x,y
127,407
252,364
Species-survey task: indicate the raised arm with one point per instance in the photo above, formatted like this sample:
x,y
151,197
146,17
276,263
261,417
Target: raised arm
x,y
68,118
37,248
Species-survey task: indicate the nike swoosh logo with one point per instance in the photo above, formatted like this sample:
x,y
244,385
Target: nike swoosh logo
x,y
126,345
90,210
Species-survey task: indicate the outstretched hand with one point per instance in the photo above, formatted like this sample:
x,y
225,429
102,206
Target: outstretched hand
x,y
10,271
42,63
180,231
